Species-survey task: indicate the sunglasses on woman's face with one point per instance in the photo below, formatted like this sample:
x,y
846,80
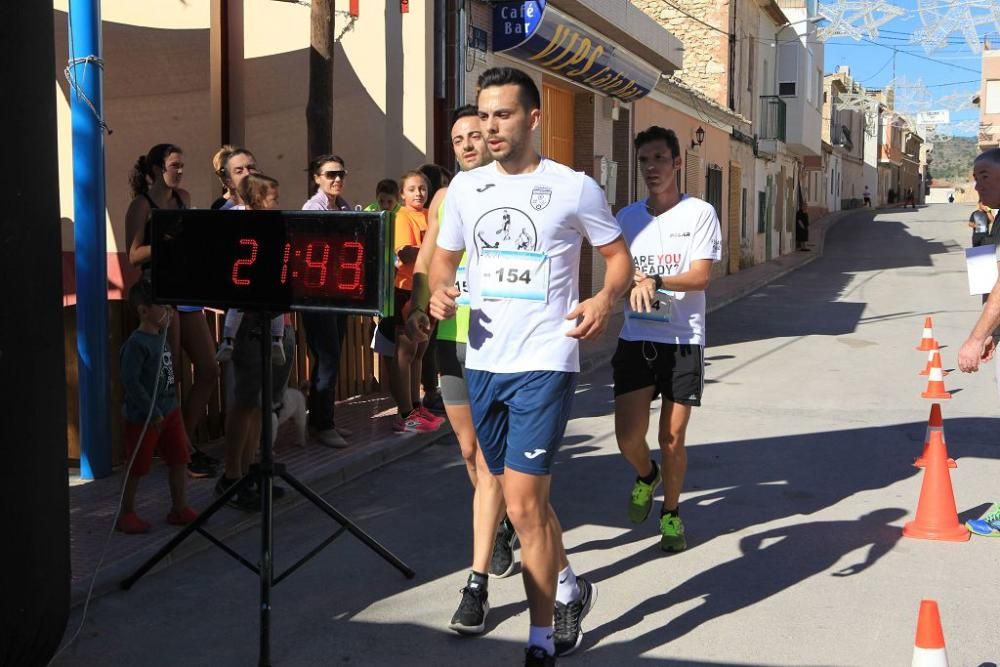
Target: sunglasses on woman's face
x,y
331,175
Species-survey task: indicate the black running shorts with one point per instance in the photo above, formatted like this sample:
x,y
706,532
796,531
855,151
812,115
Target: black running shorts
x,y
675,371
451,366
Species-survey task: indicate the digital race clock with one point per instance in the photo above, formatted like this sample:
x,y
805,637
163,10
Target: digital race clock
x,y
273,261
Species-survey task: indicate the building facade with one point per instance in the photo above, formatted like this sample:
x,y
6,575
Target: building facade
x,y
594,63
988,98
846,136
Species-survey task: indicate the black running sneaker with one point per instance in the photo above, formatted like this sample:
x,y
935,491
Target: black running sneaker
x,y
201,465
470,617
567,632
535,656
247,500
502,561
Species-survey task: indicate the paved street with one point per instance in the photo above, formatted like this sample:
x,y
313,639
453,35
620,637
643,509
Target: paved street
x,y
799,482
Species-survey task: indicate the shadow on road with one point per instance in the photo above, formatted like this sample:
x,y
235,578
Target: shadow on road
x,y
809,301
799,552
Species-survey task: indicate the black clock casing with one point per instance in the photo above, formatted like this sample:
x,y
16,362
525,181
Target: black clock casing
x,y
274,261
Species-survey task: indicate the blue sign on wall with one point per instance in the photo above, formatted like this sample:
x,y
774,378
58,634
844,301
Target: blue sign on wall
x,y
545,37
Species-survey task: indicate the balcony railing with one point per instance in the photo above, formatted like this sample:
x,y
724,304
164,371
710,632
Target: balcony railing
x,y
772,118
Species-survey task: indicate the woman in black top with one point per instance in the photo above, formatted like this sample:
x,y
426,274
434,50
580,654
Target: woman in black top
x,y
155,182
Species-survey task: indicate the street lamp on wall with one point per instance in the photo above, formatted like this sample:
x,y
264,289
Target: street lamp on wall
x,y
699,137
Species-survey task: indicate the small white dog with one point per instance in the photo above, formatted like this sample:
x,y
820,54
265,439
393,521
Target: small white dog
x,y
291,410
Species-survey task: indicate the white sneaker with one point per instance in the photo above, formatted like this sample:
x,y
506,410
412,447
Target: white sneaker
x,y
225,352
330,438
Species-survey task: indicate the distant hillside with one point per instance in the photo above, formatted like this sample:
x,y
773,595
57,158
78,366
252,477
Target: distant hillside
x,y
951,161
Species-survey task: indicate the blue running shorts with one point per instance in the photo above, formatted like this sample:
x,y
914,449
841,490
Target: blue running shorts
x,y
520,418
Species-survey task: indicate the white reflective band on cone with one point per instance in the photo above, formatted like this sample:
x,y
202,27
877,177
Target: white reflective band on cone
x,y
929,657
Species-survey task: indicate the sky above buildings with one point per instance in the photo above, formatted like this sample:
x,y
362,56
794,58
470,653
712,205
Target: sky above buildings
x,y
928,77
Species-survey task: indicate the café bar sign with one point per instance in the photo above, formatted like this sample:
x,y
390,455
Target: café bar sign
x,y
547,38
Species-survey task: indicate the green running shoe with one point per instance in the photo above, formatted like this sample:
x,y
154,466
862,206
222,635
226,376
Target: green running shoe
x,y
642,498
672,533
988,524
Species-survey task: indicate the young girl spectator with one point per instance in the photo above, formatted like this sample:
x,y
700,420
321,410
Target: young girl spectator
x,y
411,224
155,181
437,177
260,192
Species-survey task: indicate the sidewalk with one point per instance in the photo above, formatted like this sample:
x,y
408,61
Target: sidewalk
x,y
93,504
373,445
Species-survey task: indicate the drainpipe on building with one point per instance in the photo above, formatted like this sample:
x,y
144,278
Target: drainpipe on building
x,y
461,39
90,239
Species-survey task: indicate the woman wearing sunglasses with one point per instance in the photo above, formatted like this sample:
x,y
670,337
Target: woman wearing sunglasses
x,y
324,331
329,173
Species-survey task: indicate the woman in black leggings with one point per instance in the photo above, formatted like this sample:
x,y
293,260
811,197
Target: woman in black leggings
x,y
155,182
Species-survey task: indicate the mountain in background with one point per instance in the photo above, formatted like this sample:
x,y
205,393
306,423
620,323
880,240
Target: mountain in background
x,y
951,161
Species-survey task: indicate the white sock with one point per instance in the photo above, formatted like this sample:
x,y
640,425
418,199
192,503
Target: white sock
x,y
567,590
538,636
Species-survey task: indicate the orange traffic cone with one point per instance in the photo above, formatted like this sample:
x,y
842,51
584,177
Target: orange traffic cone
x,y
935,380
930,358
927,340
928,647
934,423
937,518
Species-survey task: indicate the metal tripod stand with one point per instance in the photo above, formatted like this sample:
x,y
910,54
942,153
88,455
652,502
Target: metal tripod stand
x,y
263,474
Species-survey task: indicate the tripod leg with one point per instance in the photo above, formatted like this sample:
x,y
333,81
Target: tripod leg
x,y
266,563
351,527
183,535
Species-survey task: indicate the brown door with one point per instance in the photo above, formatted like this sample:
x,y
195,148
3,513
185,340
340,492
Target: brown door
x,y
557,124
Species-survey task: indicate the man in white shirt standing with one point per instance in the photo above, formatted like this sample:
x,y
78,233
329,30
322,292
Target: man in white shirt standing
x,y
674,239
522,220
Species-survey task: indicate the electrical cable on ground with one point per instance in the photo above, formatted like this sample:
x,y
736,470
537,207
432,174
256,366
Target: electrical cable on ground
x,y
121,498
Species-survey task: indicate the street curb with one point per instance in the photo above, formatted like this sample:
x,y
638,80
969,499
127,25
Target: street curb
x,y
346,469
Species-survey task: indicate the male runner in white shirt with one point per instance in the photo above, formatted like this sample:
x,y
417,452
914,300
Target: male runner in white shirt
x,y
673,239
492,547
522,220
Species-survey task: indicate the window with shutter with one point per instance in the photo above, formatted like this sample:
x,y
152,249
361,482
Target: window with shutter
x,y
692,174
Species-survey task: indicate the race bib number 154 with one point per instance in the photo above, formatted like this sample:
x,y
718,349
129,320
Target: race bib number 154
x,y
514,274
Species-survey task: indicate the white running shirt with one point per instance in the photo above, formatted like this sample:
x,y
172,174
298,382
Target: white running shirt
x,y
666,246
546,213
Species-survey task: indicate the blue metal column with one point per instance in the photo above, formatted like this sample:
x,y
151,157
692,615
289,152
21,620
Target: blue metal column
x,y
86,99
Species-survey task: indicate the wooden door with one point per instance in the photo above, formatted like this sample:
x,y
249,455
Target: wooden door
x,y
557,125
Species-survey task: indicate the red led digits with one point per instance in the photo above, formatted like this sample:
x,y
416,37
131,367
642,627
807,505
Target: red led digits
x,y
246,261
314,264
284,263
350,274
